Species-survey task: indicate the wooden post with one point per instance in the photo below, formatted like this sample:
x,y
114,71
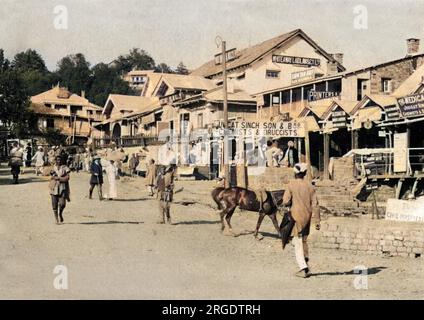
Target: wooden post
x,y
326,155
308,151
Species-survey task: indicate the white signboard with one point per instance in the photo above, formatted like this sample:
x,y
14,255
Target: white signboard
x,y
290,129
301,76
405,210
400,152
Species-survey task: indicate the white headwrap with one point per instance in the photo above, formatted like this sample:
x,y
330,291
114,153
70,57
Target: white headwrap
x,y
300,168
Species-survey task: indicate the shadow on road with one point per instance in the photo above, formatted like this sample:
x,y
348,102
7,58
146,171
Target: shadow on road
x,y
196,222
21,181
125,200
370,271
107,222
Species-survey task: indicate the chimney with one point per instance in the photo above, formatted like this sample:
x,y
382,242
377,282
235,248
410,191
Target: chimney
x,y
338,57
83,94
413,46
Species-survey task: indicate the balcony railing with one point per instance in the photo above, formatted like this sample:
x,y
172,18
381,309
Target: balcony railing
x,y
125,142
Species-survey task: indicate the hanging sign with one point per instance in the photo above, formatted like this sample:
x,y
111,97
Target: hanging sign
x,y
339,119
412,105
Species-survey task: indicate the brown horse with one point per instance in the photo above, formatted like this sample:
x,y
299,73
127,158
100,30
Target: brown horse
x,y
230,198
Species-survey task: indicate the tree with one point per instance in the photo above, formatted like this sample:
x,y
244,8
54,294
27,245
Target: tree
x,y
74,73
181,69
14,102
29,60
33,72
163,68
106,80
137,59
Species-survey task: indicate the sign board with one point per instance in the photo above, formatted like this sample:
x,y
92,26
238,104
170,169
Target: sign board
x,y
412,105
400,152
392,112
302,76
290,129
373,185
339,119
296,60
319,95
405,210
230,55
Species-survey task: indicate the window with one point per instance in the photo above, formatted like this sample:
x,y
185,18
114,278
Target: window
x,y
272,74
162,90
386,85
50,123
200,120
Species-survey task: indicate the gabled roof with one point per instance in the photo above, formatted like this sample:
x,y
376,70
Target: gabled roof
x,y
59,95
127,103
411,84
380,100
40,108
184,82
249,55
346,105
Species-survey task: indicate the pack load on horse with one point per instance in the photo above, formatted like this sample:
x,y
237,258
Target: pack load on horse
x,y
266,203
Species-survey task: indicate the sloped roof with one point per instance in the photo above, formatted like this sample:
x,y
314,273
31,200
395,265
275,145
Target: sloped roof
x,y
380,99
238,95
346,105
59,95
187,82
411,84
321,108
40,108
128,103
217,95
151,84
249,55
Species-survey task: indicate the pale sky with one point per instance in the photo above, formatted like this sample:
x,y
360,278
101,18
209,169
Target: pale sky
x,y
184,30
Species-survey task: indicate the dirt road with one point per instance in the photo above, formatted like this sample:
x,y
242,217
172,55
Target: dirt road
x,y
115,250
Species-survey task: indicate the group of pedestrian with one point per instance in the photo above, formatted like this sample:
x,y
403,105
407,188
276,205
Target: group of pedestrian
x,y
276,157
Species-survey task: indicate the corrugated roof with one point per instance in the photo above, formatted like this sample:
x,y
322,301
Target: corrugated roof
x,y
249,55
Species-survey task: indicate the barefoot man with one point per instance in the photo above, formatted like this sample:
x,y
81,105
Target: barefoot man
x,y
300,194
59,188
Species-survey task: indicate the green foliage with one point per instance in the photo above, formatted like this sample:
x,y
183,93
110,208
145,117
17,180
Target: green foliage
x,y
137,59
163,68
14,101
74,72
182,69
106,80
29,60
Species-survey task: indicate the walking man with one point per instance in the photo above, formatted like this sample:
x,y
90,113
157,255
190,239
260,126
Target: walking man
x,y
300,195
16,161
165,187
133,164
96,177
59,188
151,176
39,160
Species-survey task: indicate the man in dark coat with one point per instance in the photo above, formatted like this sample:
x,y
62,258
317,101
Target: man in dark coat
x,y
16,161
96,178
59,188
165,187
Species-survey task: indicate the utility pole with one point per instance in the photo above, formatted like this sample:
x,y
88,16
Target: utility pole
x,y
224,90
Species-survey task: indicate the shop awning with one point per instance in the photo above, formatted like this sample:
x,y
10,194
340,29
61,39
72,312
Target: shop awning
x,y
148,118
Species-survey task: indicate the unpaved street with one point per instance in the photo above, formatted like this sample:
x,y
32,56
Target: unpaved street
x,y
115,250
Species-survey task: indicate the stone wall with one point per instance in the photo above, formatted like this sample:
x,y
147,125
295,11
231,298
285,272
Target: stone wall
x,y
376,237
